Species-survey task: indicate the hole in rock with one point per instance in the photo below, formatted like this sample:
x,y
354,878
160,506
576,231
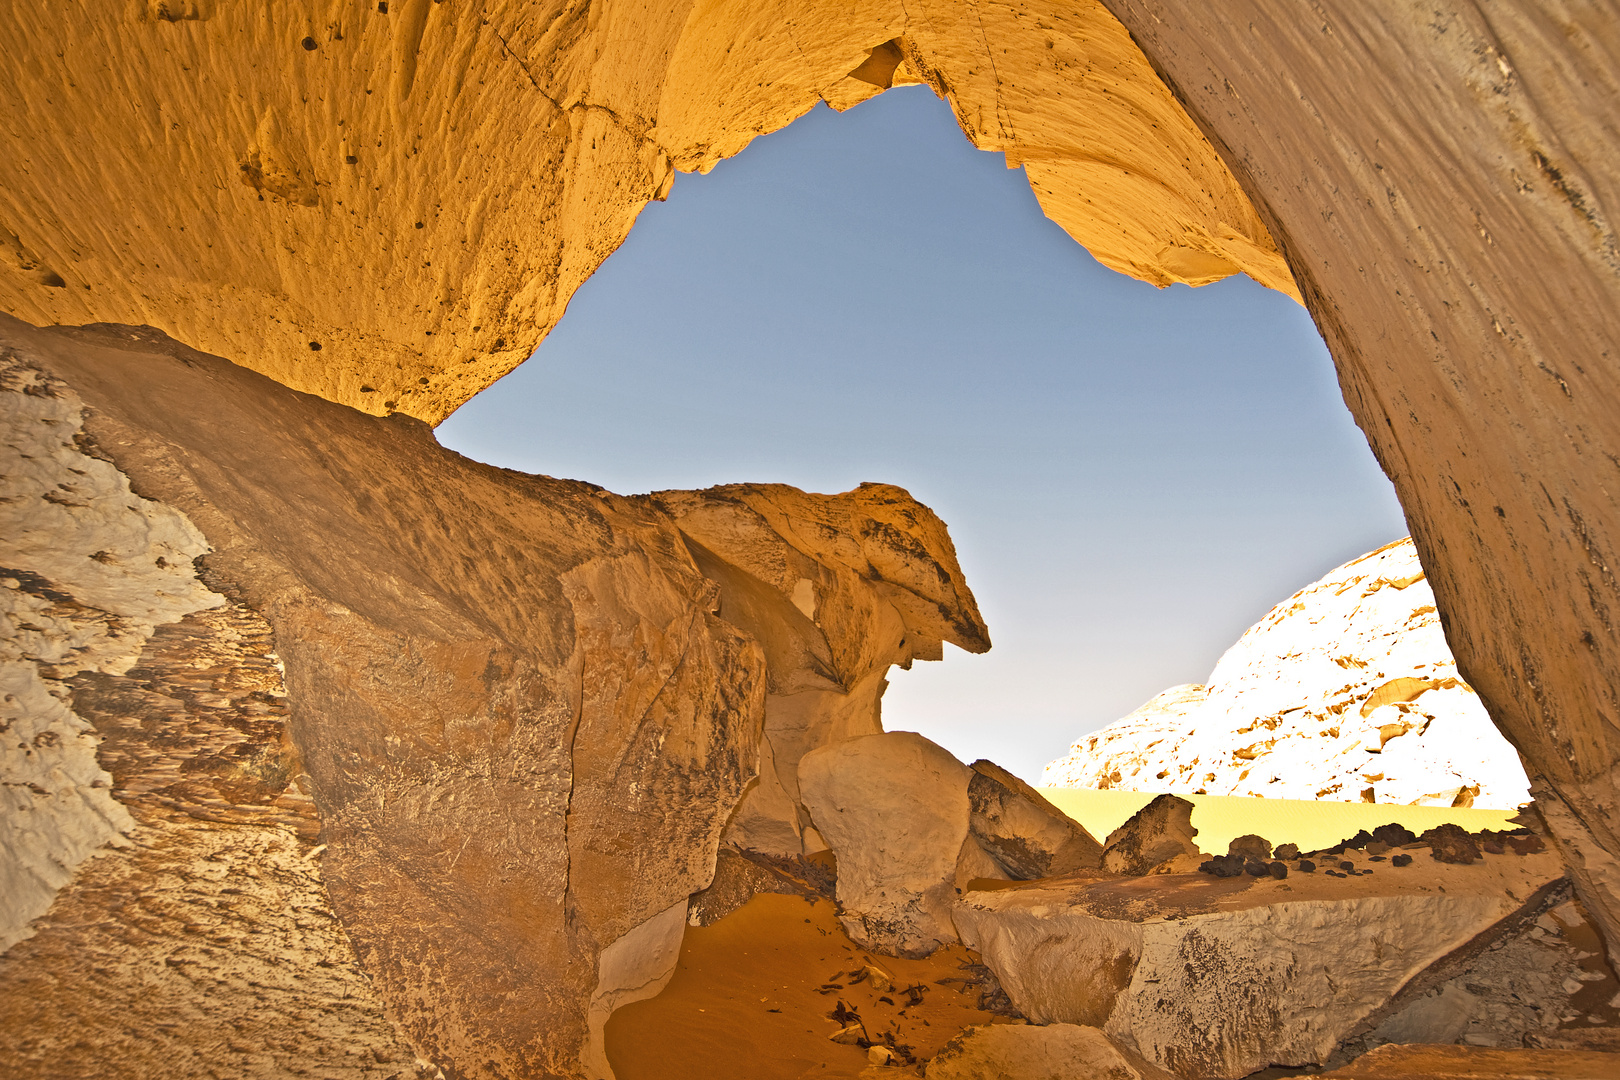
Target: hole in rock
x,y
1132,476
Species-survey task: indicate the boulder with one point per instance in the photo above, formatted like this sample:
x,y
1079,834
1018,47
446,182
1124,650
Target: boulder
x,y
1022,831
792,575
894,809
1451,844
1214,978
1250,847
1160,831
1027,1052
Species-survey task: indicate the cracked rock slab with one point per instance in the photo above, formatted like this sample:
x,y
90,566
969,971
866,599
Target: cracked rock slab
x,y
1216,978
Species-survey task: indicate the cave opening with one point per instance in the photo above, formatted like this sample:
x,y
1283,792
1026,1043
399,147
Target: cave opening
x,y
1131,475
510,737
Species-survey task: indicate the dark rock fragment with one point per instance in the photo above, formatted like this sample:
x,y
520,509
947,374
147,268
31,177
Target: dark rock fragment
x,y
1401,860
1223,866
1255,867
1306,866
1452,844
1358,841
1394,834
1278,870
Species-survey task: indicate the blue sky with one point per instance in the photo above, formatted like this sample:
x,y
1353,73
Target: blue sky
x,y
1132,476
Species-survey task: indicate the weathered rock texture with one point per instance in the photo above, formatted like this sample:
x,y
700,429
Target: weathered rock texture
x,y
1024,833
89,569
1216,978
1346,690
835,592
204,942
417,192
1442,180
200,950
521,721
1541,985
1155,834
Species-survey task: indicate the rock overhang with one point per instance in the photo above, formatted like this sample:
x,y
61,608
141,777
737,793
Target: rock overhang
x,y
395,207
1445,225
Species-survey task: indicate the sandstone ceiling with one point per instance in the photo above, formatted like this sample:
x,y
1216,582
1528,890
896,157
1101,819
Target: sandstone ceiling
x,y
389,204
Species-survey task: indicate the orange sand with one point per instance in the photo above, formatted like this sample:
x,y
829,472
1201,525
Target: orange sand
x,y
746,1001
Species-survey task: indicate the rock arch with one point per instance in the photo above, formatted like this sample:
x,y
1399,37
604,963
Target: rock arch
x,y
389,207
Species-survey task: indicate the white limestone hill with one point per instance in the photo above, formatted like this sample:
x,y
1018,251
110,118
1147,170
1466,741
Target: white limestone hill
x,y
1344,691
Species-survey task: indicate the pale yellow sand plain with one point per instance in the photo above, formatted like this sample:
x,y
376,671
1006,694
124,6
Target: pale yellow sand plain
x,y
1311,825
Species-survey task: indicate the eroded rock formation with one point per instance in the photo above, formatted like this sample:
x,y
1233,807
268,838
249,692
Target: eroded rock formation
x,y
389,206
521,719
1346,690
418,191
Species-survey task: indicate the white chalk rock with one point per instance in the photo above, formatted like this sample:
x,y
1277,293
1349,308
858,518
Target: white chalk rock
x,y
894,809
90,568
1346,690
1212,979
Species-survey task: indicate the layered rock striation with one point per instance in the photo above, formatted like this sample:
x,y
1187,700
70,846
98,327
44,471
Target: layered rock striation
x,y
1346,690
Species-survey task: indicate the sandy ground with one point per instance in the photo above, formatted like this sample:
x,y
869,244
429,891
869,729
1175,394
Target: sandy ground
x,y
752,995
1477,1063
1311,825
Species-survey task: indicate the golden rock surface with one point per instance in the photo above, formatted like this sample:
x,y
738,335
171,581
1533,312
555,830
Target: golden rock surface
x,y
417,192
521,709
417,188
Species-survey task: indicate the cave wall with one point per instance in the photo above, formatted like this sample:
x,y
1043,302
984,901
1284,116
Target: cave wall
x,y
1440,178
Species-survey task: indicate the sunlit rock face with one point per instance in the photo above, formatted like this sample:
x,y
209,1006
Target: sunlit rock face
x,y
1346,690
388,206
473,736
417,190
